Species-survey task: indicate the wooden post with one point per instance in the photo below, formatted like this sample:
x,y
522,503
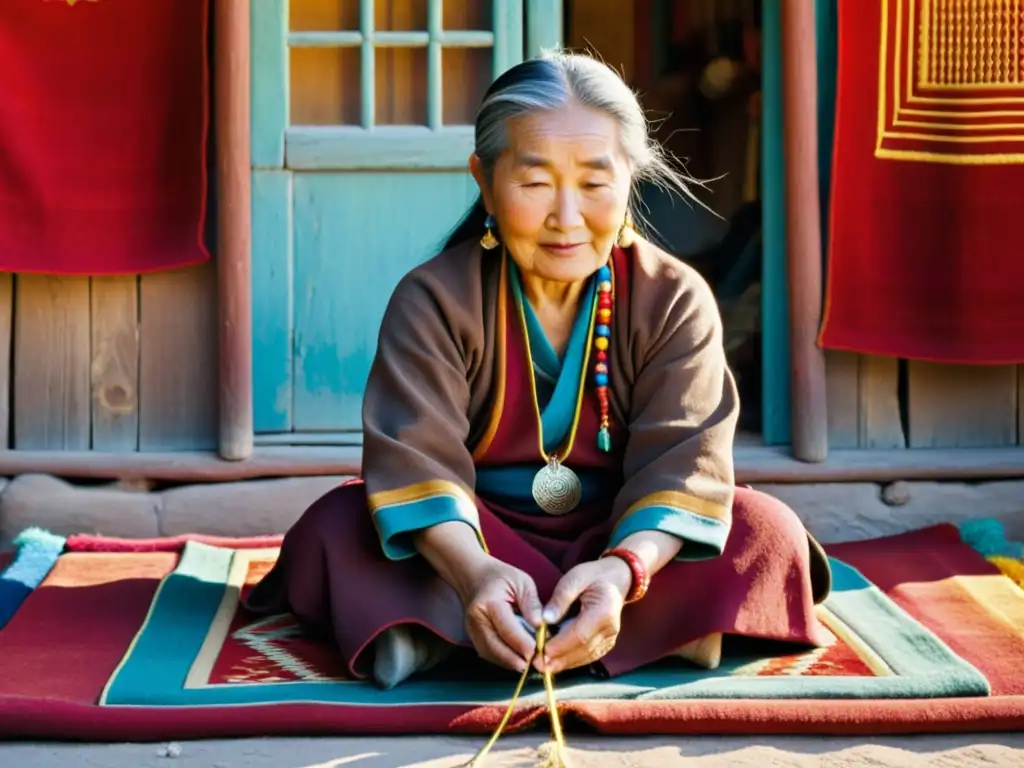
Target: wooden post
x,y
234,195
803,229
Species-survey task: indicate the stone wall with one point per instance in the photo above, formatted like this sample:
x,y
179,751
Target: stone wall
x,y
832,511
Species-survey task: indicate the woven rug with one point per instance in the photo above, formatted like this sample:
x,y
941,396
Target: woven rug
x,y
151,644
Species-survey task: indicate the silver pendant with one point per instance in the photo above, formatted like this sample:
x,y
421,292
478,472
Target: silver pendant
x,y
556,488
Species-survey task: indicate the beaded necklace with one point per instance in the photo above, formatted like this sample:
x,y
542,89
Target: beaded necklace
x,y
556,488
602,341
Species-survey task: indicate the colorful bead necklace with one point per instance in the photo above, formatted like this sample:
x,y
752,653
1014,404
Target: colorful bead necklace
x,y
602,341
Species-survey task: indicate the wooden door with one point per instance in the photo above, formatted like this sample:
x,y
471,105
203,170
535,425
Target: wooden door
x,y
362,128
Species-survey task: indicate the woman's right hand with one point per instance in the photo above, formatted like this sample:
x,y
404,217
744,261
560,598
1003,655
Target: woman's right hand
x,y
491,621
490,592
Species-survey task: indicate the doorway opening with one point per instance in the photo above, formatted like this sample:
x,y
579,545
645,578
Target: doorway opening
x,y
696,67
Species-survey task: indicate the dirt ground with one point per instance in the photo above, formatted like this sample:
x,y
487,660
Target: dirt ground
x,y
989,750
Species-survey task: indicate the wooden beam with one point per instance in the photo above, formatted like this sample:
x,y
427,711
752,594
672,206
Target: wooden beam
x,y
234,241
884,465
754,464
803,229
183,466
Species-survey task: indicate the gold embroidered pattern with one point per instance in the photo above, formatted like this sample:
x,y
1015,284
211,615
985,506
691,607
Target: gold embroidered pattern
x,y
951,81
973,43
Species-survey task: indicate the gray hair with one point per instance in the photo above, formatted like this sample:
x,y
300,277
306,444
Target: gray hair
x,y
552,81
556,79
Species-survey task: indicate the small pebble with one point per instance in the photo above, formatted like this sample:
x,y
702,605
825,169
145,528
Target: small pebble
x,y
171,750
896,494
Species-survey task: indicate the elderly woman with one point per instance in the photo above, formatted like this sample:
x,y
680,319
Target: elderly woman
x,y
548,430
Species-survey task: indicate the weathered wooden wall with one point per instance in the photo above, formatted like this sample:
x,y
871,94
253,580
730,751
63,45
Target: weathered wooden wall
x,y
109,363
127,364
944,406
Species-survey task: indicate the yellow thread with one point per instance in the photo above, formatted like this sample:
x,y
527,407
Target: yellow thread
x,y
556,758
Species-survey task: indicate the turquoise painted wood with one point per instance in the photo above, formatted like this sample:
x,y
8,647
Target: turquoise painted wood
x,y
349,211
356,235
774,290
268,81
508,35
775,353
272,300
545,26
388,147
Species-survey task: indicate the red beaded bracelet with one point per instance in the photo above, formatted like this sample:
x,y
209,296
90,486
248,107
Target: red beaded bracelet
x,y
641,579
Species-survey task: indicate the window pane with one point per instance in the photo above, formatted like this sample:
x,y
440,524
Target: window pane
x,y
400,15
323,15
467,73
468,14
325,86
401,86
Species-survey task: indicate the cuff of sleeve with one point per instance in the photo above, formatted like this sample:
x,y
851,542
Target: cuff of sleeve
x,y
396,523
703,537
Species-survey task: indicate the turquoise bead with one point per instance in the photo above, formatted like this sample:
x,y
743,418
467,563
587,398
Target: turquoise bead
x,y
601,379
603,330
604,273
604,440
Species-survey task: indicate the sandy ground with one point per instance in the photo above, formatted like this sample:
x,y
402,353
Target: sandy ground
x,y
989,750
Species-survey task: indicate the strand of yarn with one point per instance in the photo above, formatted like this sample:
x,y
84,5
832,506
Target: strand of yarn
x,y
555,755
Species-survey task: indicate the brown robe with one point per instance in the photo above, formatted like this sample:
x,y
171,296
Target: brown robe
x,y
429,401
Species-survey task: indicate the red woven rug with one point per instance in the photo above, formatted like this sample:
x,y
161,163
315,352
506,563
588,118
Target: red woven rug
x,y
103,129
924,259
71,638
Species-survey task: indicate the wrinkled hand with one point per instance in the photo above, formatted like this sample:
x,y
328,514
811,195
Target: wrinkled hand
x,y
491,622
601,588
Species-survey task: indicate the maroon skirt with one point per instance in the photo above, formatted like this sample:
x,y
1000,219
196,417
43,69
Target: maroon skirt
x,y
333,575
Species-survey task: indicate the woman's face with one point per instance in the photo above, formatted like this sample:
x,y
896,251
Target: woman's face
x,y
559,193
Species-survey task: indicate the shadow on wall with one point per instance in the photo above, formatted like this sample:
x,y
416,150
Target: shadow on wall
x,y
727,252
681,226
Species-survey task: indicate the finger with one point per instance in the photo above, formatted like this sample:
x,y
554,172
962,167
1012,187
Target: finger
x,y
582,641
491,648
528,600
567,591
511,631
567,643
597,650
582,654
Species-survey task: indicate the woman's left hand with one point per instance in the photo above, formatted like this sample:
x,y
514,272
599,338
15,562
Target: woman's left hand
x,y
600,587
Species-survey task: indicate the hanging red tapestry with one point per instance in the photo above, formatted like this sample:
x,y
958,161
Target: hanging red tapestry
x,y
925,259
103,126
